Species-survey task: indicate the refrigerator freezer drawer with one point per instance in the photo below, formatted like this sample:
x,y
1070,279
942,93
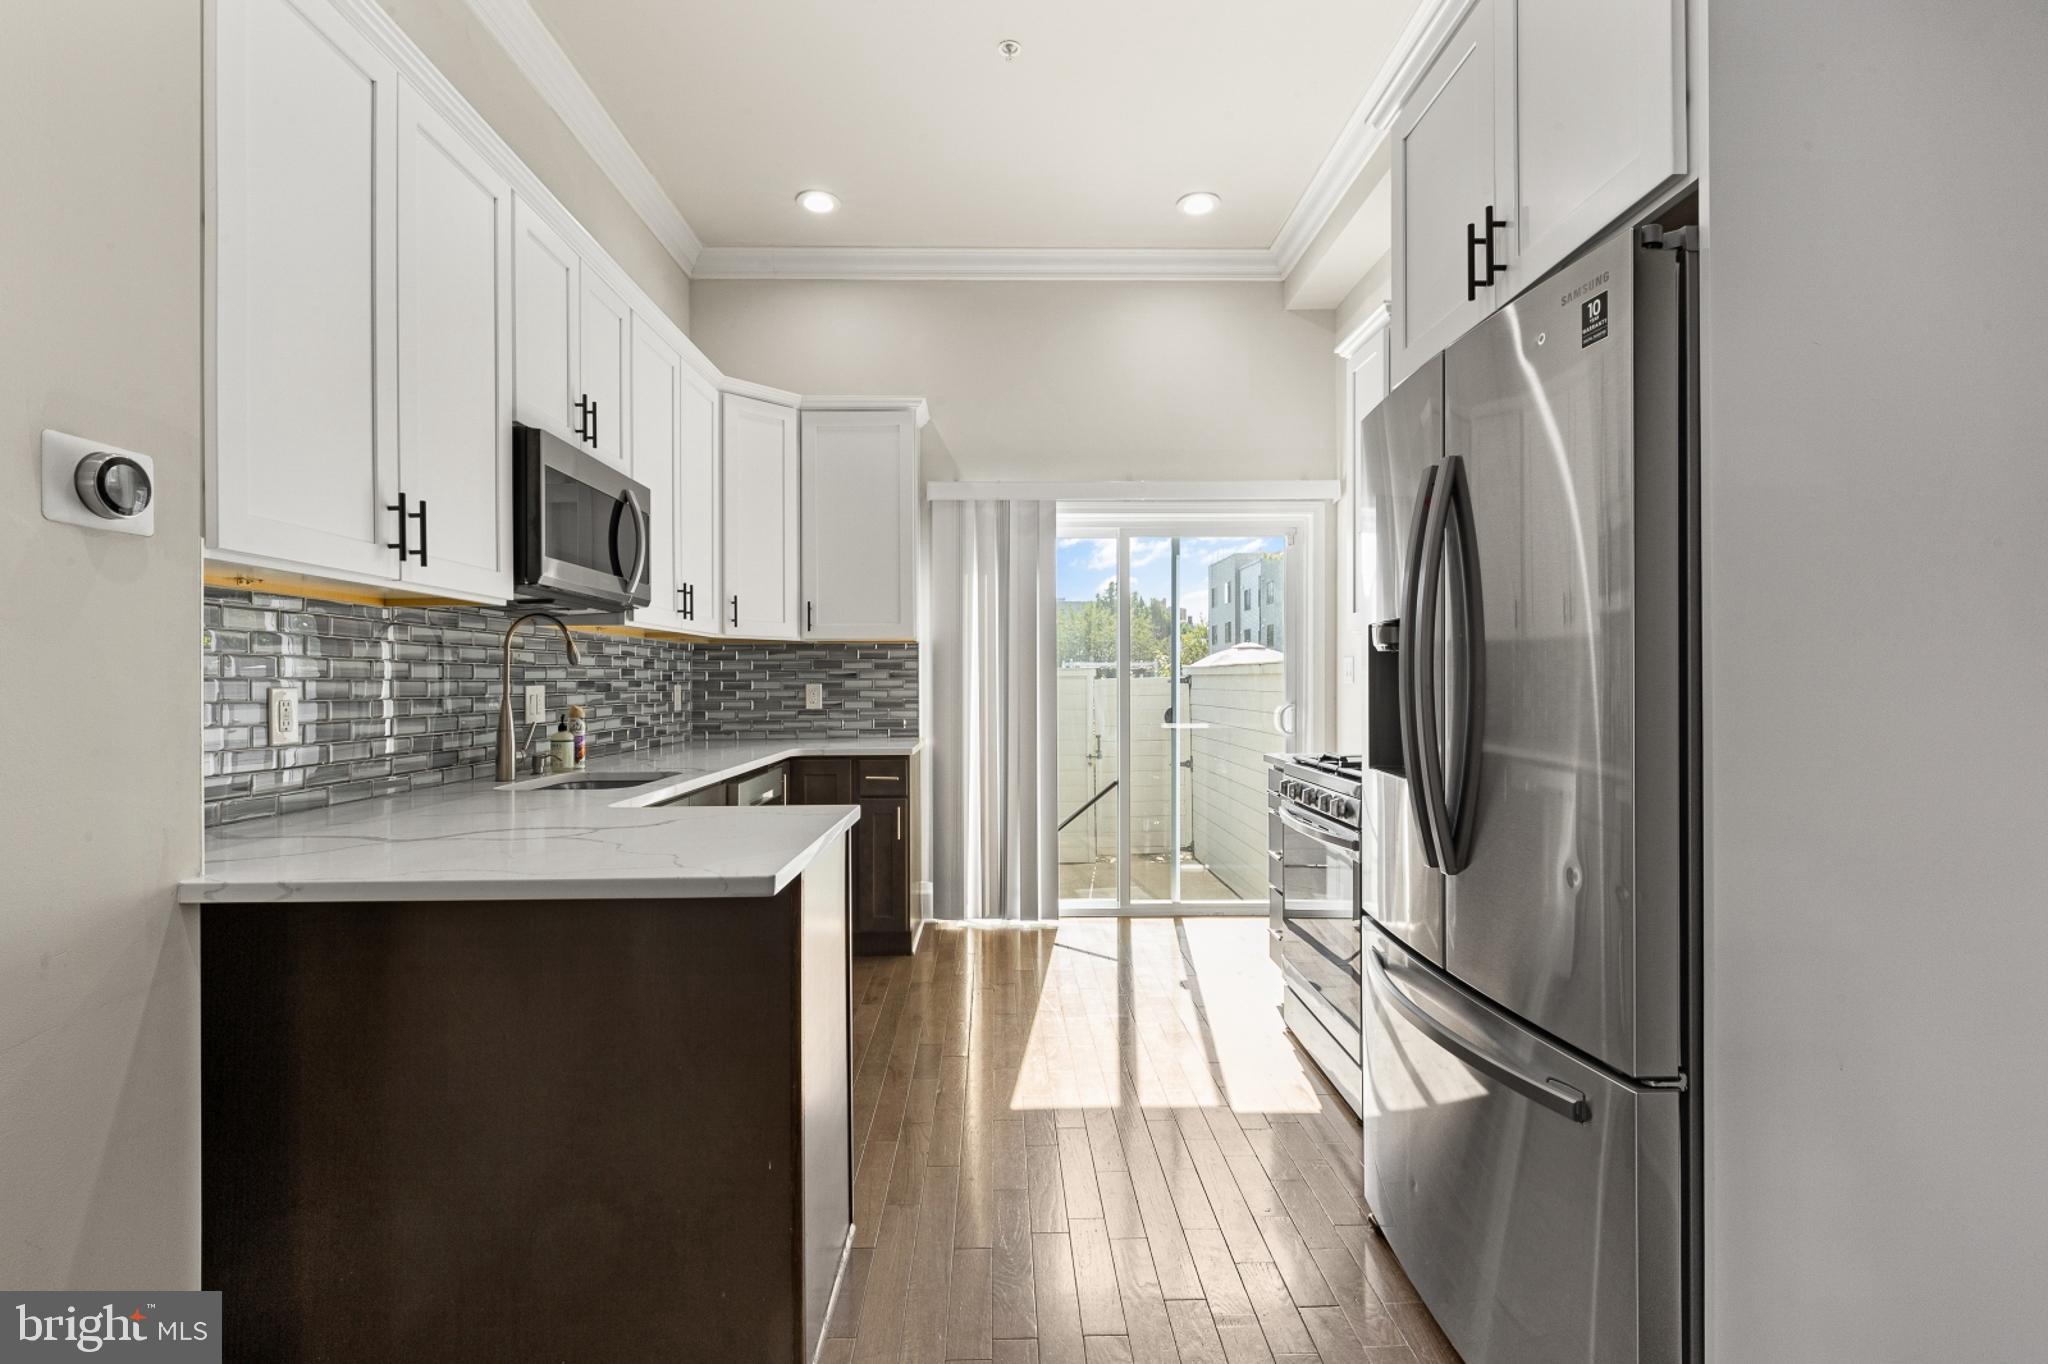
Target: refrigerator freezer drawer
x,y
1534,1201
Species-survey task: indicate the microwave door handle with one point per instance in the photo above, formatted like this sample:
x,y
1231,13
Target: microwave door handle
x,y
1553,1094
1473,738
1412,643
631,581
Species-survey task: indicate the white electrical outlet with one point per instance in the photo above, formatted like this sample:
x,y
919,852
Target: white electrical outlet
x,y
676,696
284,715
814,696
536,704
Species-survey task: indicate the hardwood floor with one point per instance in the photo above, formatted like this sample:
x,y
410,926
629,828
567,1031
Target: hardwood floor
x,y
1094,1143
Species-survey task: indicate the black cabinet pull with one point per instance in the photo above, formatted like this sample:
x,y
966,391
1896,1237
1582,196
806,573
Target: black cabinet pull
x,y
404,543
400,543
735,611
583,415
689,601
593,413
810,616
1474,239
1471,258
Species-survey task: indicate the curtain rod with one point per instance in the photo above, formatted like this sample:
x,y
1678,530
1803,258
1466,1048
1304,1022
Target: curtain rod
x,y
1277,490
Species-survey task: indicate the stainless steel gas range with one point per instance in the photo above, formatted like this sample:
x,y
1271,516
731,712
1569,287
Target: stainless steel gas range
x,y
1312,805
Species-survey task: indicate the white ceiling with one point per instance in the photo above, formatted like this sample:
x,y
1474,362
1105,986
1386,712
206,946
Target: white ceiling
x,y
907,111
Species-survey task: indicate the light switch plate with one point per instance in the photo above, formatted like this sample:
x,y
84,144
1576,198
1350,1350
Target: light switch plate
x,y
536,705
814,696
284,715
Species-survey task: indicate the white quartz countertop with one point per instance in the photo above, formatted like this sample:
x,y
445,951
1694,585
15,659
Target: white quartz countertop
x,y
480,841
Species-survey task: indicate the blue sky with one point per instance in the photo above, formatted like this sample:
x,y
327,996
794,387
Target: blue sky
x,y
1086,566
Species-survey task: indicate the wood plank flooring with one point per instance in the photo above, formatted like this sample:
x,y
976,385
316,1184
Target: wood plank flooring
x,y
1094,1143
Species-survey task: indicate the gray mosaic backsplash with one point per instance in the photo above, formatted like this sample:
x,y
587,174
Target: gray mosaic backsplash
x,y
397,698
758,690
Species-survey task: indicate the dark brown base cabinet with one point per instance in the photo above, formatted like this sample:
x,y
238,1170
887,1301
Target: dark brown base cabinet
x,y
884,917
528,1130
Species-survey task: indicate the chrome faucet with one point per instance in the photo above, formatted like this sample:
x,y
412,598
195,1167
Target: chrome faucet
x,y
508,761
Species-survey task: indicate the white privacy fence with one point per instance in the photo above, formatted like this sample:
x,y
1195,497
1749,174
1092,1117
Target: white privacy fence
x,y
1231,706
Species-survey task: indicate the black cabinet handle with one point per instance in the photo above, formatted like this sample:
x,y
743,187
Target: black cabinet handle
x,y
689,601
593,406
400,543
1474,239
810,616
735,611
404,543
1471,257
583,415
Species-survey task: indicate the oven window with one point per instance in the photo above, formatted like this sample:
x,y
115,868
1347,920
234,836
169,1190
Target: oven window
x,y
578,526
1320,940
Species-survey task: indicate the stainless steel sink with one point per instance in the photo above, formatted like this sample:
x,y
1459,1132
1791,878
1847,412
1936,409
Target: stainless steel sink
x,y
605,783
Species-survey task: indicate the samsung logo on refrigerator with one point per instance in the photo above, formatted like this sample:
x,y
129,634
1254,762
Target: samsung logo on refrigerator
x,y
1598,281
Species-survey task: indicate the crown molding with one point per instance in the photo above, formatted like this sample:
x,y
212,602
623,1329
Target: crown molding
x,y
536,53
1368,326
979,263
1428,29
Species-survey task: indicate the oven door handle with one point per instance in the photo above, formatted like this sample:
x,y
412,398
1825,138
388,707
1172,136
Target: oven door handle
x,y
1328,838
631,581
1553,1094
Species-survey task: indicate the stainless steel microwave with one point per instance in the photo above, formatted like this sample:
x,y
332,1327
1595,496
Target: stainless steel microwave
x,y
580,528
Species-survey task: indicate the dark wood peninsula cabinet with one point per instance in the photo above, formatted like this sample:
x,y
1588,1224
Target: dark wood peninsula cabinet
x,y
884,914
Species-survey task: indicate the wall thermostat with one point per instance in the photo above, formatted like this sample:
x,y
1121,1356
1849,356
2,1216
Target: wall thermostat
x,y
99,486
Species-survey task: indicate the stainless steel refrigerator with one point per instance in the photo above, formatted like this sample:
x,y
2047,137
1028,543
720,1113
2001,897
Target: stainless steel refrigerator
x,y
1530,815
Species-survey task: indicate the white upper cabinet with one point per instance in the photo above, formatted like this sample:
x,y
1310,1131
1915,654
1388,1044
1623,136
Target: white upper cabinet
x,y
657,388
544,295
860,525
305,456
1599,98
1448,191
604,328
1536,126
759,523
454,357
696,507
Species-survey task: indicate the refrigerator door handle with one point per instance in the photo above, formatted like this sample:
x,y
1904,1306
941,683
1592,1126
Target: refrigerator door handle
x,y
1426,769
1411,648
1553,1094
1474,735
1452,835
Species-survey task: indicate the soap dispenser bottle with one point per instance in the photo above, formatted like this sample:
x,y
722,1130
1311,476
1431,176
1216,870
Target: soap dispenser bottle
x,y
562,748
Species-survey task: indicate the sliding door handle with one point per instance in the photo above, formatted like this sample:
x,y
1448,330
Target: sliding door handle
x,y
1411,646
1553,1094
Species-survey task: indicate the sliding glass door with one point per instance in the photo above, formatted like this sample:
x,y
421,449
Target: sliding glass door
x,y
1174,680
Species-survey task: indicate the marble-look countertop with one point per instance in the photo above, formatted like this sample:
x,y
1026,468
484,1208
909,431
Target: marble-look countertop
x,y
481,841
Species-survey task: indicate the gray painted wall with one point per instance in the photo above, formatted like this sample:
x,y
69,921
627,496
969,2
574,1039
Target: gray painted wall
x,y
1051,380
1877,693
99,985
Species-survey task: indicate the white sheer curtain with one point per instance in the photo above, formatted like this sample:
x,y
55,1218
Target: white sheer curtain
x,y
995,853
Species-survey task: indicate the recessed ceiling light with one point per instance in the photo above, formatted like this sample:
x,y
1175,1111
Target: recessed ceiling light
x,y
818,200
1200,204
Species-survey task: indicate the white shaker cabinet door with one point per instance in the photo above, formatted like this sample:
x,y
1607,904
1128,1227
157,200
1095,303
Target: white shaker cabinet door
x,y
860,525
1446,180
544,292
454,356
1599,99
305,455
604,328
759,468
657,384
696,507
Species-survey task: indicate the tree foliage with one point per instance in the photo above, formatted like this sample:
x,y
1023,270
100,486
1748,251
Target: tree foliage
x,y
1087,632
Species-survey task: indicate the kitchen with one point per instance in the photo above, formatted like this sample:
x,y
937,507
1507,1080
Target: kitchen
x,y
357,333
